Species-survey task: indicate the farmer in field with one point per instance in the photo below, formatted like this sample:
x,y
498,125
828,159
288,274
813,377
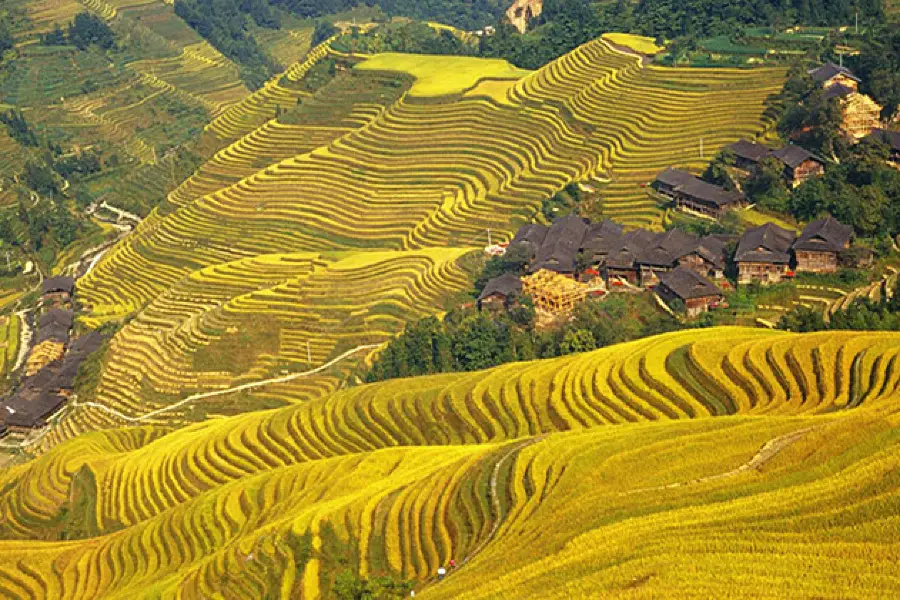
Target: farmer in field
x,y
441,573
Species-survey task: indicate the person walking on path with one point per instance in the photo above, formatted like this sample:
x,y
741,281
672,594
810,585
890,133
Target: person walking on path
x,y
441,573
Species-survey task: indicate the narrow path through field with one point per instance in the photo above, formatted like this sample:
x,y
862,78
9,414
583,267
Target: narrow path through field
x,y
495,498
770,450
231,390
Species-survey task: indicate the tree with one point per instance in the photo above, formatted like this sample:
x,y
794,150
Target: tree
x,y
717,171
514,260
18,128
39,177
6,39
477,343
801,320
577,340
87,29
323,31
766,186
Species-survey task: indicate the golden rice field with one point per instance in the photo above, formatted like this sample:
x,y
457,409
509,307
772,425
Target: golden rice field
x,y
367,165
672,466
410,178
257,318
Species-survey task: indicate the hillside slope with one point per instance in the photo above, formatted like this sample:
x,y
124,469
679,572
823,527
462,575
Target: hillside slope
x,y
728,469
364,164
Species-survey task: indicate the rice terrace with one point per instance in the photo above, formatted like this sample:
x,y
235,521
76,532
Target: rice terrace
x,y
470,299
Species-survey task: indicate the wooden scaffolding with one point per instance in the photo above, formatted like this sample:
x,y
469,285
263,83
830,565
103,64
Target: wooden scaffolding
x,y
557,294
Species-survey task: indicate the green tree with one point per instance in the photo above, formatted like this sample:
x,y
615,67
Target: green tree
x,y
766,186
577,340
87,29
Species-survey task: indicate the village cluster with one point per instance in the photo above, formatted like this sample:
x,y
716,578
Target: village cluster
x,y
574,258
674,264
53,363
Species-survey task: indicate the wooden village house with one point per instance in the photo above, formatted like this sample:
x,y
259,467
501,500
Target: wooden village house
x,y
58,290
706,256
697,293
500,292
695,195
764,254
820,243
860,113
747,154
830,74
799,164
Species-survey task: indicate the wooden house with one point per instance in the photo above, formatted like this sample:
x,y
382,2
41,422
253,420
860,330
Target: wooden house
x,y
621,262
820,243
799,164
696,292
830,74
660,254
671,179
747,154
58,289
500,292
602,238
706,256
560,248
707,199
764,254
695,195
861,115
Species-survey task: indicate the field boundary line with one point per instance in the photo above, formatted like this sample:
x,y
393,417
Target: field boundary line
x,y
769,451
495,499
223,392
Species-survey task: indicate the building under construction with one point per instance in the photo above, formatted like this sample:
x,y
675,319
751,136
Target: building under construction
x,y
557,294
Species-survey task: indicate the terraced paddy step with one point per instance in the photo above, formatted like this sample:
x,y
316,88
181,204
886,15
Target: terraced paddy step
x,y
519,466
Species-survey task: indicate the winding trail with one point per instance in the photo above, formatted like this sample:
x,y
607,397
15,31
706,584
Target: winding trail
x,y
769,450
495,498
37,435
223,392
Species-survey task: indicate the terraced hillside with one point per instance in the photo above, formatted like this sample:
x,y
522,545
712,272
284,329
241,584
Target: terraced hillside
x,y
367,164
243,321
673,465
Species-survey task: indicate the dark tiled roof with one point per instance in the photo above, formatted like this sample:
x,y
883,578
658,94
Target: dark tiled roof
x,y
624,254
686,284
767,243
56,316
561,245
794,156
665,248
54,325
506,285
838,90
602,237
829,70
708,193
886,136
59,283
85,344
710,248
749,150
532,233
824,235
53,331
674,177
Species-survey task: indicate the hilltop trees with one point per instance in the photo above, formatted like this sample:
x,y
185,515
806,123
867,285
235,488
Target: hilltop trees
x,y
224,25
18,128
878,64
6,38
88,29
